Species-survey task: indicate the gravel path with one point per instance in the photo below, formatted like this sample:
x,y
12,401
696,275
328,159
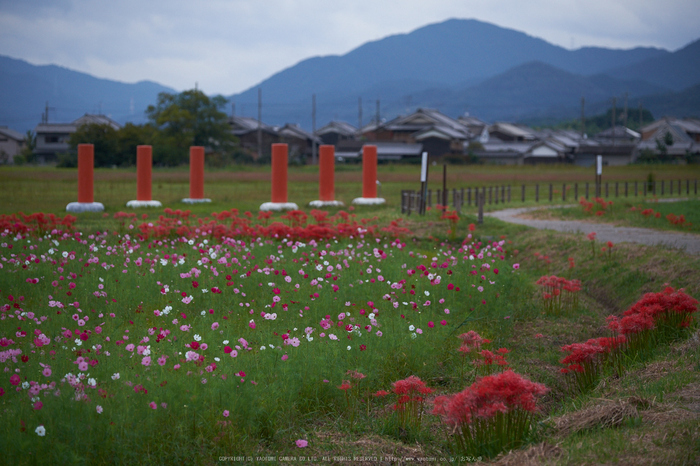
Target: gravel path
x,y
604,232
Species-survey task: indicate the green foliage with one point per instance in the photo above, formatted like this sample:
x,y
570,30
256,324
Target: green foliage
x,y
189,119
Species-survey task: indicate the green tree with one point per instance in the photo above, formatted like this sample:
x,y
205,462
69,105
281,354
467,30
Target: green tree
x,y
105,139
26,155
190,118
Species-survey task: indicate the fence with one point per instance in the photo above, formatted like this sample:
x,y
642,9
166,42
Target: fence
x,y
411,201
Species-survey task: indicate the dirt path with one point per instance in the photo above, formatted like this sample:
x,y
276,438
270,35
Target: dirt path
x,y
604,232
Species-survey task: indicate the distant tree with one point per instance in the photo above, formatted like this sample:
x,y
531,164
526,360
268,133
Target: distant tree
x,y
190,118
105,139
129,137
26,154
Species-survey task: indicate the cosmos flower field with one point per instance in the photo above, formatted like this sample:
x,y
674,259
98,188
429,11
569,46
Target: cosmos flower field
x,y
160,339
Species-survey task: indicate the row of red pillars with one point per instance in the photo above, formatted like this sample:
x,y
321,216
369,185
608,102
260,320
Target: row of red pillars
x,y
144,167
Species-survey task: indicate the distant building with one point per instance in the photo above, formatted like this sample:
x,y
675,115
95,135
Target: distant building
x,y
673,137
246,129
52,138
11,144
299,142
336,131
439,134
509,132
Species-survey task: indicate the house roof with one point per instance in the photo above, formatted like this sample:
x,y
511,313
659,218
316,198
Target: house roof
x,y
426,117
441,132
244,125
55,128
340,127
513,130
11,134
89,119
618,132
295,131
688,125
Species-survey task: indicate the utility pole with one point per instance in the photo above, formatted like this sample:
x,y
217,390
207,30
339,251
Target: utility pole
x,y
359,114
259,123
614,102
640,116
313,130
378,120
45,115
233,109
624,118
583,116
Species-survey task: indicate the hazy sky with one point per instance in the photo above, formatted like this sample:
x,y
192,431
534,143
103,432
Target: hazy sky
x,y
229,45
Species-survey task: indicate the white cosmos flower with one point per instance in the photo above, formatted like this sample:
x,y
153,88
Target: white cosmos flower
x,y
92,382
115,376
197,337
40,431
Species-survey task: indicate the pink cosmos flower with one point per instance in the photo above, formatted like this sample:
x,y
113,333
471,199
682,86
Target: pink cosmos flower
x,y
215,325
99,409
38,405
153,405
146,361
301,443
285,357
161,361
226,413
46,372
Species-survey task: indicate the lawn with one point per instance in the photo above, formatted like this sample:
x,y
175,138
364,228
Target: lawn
x,y
188,337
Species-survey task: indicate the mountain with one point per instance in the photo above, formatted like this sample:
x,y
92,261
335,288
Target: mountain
x,y
440,56
682,104
537,89
677,70
25,89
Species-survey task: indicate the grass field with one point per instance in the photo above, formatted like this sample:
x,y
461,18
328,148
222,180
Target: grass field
x,y
245,187
127,312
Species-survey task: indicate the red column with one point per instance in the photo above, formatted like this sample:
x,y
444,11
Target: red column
x,y
196,172
86,168
369,171
326,173
144,166
279,173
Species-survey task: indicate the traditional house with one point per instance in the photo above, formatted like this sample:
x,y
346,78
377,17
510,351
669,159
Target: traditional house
x,y
246,130
509,132
300,142
53,138
11,144
336,131
439,134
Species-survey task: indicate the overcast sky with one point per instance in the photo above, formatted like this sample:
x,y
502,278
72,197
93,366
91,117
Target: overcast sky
x,y
229,45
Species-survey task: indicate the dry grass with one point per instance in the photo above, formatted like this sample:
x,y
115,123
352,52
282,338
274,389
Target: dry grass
x,y
603,414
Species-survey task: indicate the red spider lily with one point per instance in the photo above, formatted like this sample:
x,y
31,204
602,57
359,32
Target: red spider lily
x,y
493,414
559,294
409,400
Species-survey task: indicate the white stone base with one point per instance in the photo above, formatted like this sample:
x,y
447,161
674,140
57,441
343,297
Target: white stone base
x,y
137,204
326,204
368,201
195,201
79,207
278,206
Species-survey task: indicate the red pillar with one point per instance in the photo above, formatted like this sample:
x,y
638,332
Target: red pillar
x,y
279,173
86,169
369,171
326,173
196,172
144,167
